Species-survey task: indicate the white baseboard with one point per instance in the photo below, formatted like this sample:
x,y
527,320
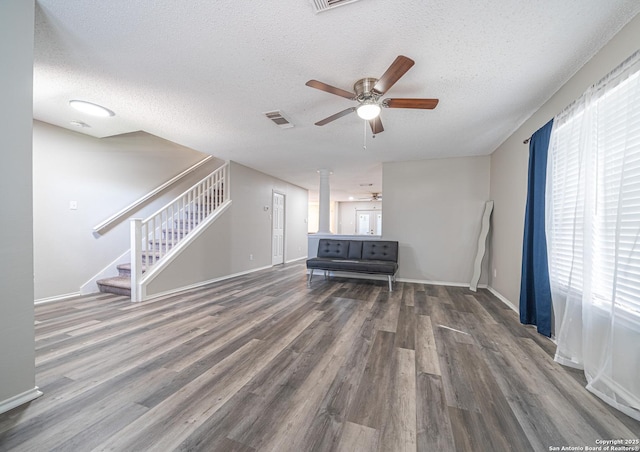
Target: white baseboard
x,y
500,297
57,298
439,283
19,399
204,283
296,259
406,280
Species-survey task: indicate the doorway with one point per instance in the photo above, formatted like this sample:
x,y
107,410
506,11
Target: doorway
x,y
277,243
368,222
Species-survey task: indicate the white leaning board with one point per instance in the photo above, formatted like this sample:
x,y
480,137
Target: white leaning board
x,y
482,245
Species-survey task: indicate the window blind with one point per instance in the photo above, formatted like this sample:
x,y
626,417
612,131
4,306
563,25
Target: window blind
x,y
593,196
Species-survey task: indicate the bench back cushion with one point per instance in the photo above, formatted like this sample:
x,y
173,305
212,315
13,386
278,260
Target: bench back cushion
x,y
334,249
355,249
379,250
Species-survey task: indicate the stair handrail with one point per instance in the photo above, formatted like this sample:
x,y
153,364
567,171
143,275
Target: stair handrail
x,y
154,237
106,224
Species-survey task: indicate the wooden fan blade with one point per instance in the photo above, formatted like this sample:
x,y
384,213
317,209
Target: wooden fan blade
x,y
376,125
336,116
425,104
330,89
397,69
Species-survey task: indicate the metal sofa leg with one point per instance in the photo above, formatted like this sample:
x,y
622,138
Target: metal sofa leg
x,y
310,277
390,283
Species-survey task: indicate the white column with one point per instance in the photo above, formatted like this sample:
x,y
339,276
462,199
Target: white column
x,y
324,208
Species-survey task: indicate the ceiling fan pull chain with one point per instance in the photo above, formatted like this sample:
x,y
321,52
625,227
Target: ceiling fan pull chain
x,y
364,146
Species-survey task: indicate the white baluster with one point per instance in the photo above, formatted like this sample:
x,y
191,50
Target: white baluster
x,y
177,219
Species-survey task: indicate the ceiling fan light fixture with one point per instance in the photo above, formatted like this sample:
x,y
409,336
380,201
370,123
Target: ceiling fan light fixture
x,y
368,110
91,108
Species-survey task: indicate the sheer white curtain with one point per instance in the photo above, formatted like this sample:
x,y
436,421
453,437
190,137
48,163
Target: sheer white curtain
x,y
593,236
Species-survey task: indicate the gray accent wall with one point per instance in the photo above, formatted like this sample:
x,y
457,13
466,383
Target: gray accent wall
x,y
434,209
239,240
509,163
103,176
17,368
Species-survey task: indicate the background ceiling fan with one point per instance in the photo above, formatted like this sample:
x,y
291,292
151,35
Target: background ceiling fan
x,y
375,196
368,92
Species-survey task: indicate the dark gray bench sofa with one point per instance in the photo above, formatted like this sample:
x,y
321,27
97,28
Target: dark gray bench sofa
x,y
373,257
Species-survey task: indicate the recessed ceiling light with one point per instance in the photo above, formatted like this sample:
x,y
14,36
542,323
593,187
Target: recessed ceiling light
x,y
90,108
350,198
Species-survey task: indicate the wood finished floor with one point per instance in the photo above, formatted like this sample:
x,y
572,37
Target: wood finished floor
x,y
262,363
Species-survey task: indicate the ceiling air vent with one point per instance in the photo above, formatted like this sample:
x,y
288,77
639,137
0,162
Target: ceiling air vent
x,y
278,119
324,5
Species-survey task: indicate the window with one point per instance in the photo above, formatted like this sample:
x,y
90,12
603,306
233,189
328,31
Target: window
x,y
593,195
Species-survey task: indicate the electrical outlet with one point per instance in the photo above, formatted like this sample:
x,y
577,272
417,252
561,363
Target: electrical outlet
x,y
495,273
250,257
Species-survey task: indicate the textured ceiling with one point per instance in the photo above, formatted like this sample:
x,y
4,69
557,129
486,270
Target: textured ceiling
x,y
202,73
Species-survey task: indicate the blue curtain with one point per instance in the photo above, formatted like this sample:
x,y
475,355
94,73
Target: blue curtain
x,y
535,292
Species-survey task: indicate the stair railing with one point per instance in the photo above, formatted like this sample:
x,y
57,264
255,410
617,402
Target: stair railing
x,y
122,214
153,238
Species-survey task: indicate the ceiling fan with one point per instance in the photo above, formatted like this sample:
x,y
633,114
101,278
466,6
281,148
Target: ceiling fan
x,y
374,197
368,93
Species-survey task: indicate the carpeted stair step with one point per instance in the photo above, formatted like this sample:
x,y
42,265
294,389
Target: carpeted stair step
x,y
198,207
119,285
185,224
125,270
161,244
194,216
177,234
152,256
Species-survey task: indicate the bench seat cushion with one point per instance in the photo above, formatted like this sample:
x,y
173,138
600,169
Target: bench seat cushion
x,y
353,265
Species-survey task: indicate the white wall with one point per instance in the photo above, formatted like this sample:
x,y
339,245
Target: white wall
x,y
434,209
347,212
242,232
314,217
509,163
296,222
17,368
102,176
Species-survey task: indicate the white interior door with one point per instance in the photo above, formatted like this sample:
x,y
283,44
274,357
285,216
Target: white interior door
x,y
363,223
277,248
369,222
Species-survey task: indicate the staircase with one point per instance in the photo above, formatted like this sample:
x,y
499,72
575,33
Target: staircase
x,y
121,284
169,226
